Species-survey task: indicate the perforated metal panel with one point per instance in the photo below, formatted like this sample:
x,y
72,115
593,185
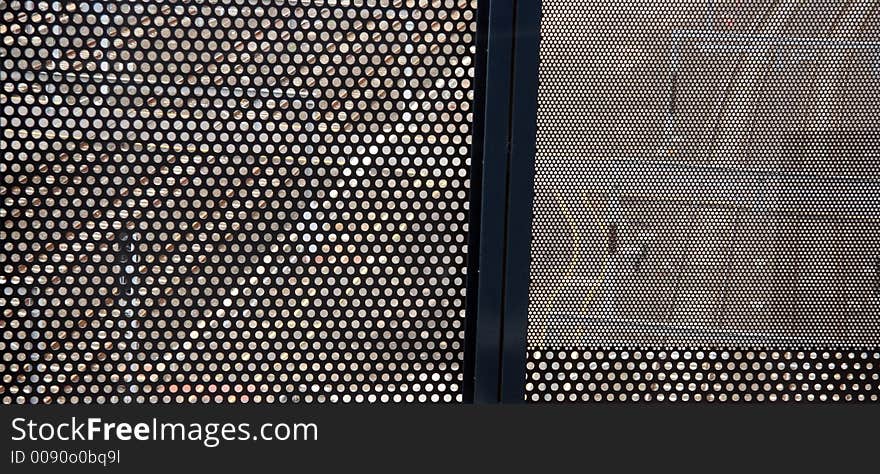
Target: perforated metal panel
x,y
234,201
707,192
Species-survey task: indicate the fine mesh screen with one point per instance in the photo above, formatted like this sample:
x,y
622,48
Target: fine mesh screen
x,y
234,201
707,202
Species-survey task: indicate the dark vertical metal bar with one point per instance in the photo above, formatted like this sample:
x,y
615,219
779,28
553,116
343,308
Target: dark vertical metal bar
x,y
489,202
520,196
475,200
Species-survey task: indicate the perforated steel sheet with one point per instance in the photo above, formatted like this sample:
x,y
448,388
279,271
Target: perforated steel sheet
x,y
234,201
706,218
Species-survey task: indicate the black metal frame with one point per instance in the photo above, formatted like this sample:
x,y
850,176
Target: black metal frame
x,y
501,205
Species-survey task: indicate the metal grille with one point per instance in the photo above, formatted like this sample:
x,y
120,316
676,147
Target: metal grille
x,y
234,201
706,218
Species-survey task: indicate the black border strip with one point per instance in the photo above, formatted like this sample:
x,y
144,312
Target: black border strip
x,y
520,197
489,194
475,200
